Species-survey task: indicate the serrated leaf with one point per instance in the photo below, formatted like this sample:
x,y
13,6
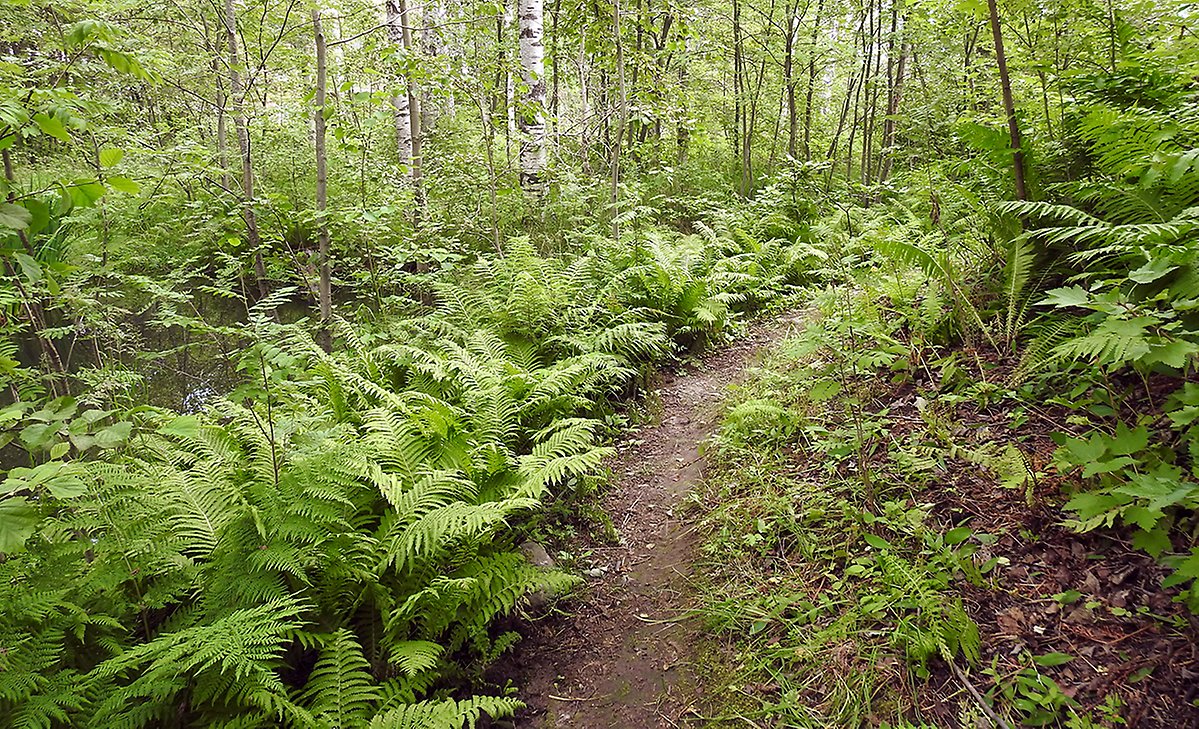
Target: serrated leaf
x,y
111,156
1067,296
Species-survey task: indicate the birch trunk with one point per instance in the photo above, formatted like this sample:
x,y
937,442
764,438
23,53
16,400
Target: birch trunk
x,y
532,113
407,105
399,102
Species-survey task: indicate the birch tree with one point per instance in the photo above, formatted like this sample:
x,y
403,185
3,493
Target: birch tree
x,y
532,111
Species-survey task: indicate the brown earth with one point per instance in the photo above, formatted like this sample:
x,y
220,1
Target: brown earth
x,y
622,655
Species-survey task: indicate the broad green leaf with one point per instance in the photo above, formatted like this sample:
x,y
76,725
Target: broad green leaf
x,y
1128,441
1185,568
39,215
1112,465
114,435
1153,270
876,542
39,435
957,535
123,184
52,126
14,217
85,193
18,520
184,426
29,267
1174,353
111,156
1155,542
824,390
1069,296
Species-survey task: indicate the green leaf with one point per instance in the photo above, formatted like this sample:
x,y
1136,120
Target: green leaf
x,y
957,535
876,542
1154,542
1068,597
29,267
824,390
85,193
40,215
1153,270
1129,441
114,435
52,126
18,520
39,435
110,156
14,217
1174,353
184,426
123,184
1068,296
1052,659
1186,568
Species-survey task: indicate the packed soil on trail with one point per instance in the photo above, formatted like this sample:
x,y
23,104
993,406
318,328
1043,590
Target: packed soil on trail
x,y
622,654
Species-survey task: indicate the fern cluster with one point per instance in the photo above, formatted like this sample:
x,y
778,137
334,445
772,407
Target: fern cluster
x,y
329,544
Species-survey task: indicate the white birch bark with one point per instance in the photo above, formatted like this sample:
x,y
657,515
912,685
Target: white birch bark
x,y
399,102
532,112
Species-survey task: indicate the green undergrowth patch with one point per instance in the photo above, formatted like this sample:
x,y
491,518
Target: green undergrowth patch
x,y
832,589
850,546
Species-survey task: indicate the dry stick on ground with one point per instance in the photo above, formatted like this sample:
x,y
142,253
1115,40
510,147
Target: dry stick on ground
x,y
978,697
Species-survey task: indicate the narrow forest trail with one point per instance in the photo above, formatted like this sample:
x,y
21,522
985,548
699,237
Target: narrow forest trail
x,y
623,654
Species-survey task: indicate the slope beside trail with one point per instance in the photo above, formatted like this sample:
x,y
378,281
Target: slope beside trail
x,y
622,655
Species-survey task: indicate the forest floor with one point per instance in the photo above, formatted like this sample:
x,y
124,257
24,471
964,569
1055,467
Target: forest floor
x,y
624,653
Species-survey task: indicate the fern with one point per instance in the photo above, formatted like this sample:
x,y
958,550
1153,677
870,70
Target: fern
x,y
340,691
446,714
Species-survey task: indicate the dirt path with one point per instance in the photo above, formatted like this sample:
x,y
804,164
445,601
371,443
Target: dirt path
x,y
623,656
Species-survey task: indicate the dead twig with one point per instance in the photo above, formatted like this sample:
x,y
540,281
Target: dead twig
x,y
996,719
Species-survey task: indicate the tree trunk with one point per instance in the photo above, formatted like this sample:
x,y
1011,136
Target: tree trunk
x,y
324,289
789,79
682,128
807,111
1008,104
432,19
740,107
399,102
532,115
243,142
406,105
622,113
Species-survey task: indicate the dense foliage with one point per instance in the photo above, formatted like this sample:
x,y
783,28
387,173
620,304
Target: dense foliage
x,y
310,311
